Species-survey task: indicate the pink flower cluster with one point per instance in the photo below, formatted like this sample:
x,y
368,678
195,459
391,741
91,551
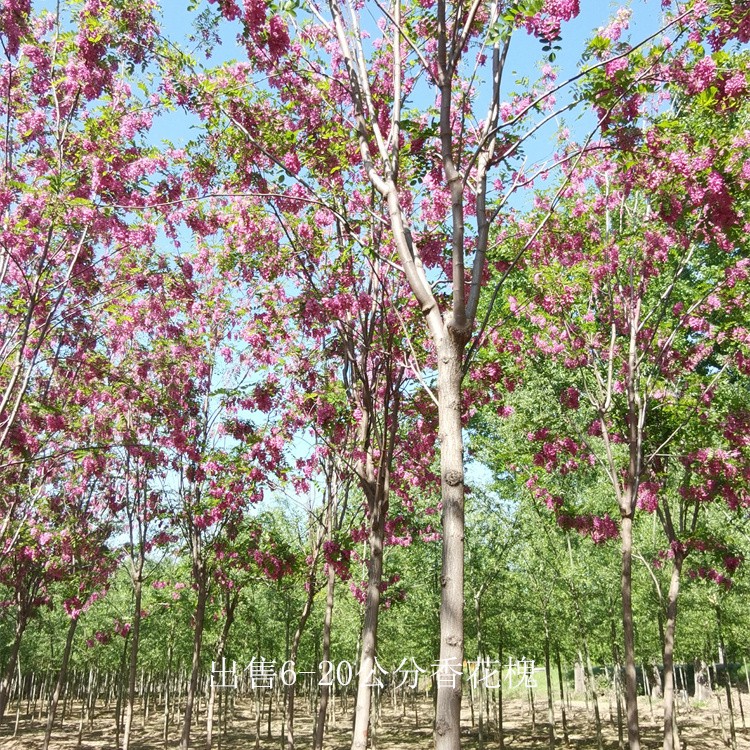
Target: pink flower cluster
x,y
600,528
338,558
710,574
546,24
648,496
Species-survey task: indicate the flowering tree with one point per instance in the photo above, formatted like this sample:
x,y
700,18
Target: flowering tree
x,y
639,302
441,172
73,164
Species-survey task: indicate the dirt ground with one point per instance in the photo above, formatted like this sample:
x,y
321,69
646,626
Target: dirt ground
x,y
703,726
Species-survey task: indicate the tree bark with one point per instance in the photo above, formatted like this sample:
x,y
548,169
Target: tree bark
x,y
669,632
291,689
448,716
199,622
60,682
631,685
548,675
133,666
500,728
325,689
230,604
10,666
562,697
367,671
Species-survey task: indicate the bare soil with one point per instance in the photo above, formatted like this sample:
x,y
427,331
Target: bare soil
x,y
703,726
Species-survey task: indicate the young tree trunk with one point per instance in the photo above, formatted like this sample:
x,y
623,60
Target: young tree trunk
x,y
367,672
325,689
230,604
727,684
133,666
448,716
10,666
674,589
167,684
60,682
616,676
119,688
631,685
291,689
199,622
562,697
500,729
548,675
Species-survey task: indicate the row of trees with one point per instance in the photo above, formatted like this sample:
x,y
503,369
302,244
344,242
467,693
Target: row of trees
x,y
324,289
537,596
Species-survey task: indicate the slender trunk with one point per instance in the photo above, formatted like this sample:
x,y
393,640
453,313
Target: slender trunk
x,y
60,682
727,684
167,706
674,589
325,689
448,713
548,675
119,689
133,666
230,604
10,666
616,676
480,684
500,729
199,622
562,697
591,688
290,690
367,669
631,686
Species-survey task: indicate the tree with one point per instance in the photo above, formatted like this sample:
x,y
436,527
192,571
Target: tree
x,y
430,168
638,303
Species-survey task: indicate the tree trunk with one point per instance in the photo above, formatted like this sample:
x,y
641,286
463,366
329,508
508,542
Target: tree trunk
x,y
367,670
325,689
616,676
10,666
674,589
167,706
60,682
290,690
631,686
728,684
119,689
500,729
199,621
230,604
448,713
562,697
133,666
548,675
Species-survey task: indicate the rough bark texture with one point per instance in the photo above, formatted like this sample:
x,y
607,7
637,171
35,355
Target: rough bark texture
x,y
448,719
674,589
631,685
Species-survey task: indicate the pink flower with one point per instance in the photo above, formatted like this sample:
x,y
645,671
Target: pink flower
x,y
735,85
702,75
648,498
